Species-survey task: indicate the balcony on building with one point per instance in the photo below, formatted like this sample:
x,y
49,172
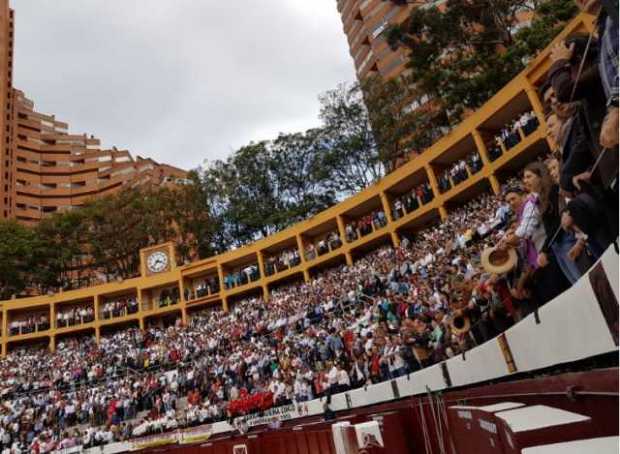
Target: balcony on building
x,y
409,194
410,227
30,320
75,313
160,297
283,281
321,240
118,305
36,344
79,334
243,296
507,128
281,257
120,326
201,285
456,164
364,219
474,191
241,271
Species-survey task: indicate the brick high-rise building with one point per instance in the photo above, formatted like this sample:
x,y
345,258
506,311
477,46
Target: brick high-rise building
x,y
54,170
43,168
7,153
364,22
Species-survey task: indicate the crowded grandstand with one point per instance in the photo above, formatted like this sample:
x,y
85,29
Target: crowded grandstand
x,y
397,309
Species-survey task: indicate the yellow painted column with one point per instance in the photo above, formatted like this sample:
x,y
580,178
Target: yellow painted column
x,y
140,300
225,303
387,208
141,321
301,248
184,315
343,238
53,343
182,288
486,162
96,308
5,330
302,255
395,238
263,274
481,147
341,228
432,179
265,292
97,334
532,96
53,316
261,264
220,275
495,186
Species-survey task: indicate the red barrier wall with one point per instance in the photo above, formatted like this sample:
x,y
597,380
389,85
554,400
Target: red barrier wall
x,y
593,393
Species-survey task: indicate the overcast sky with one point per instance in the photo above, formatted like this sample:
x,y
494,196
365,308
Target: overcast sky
x,y
180,80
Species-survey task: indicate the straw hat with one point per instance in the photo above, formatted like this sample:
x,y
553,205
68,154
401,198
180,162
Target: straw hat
x,y
496,261
460,324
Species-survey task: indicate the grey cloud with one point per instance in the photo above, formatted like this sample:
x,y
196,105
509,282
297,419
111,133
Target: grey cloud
x,y
178,80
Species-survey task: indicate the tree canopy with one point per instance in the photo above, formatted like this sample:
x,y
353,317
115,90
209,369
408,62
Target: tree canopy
x,y
102,240
465,52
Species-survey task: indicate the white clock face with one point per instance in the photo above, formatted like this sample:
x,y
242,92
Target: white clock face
x,y
157,262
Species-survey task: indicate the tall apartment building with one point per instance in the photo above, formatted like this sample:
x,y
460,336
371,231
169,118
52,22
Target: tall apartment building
x,y
364,22
54,170
7,154
43,168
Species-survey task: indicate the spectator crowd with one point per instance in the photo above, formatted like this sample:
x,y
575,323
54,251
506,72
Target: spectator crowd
x,y
509,135
394,311
459,171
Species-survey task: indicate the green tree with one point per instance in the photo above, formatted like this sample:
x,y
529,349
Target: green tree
x,y
266,186
62,262
189,211
463,54
402,122
19,248
243,196
303,183
351,155
118,226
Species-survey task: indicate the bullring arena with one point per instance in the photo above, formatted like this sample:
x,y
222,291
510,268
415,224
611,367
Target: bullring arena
x,y
309,342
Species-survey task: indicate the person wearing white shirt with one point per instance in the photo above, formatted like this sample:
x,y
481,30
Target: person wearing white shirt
x,y
396,363
332,379
344,383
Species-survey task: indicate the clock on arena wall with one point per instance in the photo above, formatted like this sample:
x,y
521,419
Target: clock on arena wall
x,y
157,259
